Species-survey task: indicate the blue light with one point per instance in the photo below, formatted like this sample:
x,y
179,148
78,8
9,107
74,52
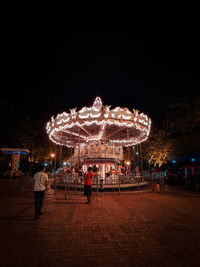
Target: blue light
x,y
45,164
173,161
13,151
192,159
64,163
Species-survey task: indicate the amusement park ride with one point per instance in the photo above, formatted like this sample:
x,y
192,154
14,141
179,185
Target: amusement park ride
x,y
99,133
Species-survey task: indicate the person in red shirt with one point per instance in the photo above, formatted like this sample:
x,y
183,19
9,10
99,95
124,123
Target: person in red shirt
x,y
87,179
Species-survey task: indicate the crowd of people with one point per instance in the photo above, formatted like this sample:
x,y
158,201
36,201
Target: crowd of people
x,y
189,179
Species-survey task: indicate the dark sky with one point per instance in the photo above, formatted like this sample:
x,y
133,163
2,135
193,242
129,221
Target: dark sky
x,y
58,57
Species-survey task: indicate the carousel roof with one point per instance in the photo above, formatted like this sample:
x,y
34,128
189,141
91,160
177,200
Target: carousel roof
x,y
119,126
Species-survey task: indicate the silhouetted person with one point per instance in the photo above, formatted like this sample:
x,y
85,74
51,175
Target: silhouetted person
x,y
40,180
87,179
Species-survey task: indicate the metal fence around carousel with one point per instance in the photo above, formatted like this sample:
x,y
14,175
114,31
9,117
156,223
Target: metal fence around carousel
x,y
71,186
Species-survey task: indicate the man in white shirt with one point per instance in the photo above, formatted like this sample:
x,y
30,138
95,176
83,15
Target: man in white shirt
x,y
40,180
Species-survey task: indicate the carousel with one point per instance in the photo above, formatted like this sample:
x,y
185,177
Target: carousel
x,y
98,134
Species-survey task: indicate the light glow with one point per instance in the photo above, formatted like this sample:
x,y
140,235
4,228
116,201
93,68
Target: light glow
x,y
102,119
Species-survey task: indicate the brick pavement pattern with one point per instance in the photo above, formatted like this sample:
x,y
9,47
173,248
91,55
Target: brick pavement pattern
x,y
144,229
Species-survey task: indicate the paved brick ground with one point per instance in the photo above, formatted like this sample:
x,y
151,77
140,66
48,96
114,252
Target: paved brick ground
x,y
143,229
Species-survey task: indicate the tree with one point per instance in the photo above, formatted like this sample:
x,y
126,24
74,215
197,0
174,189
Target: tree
x,y
158,148
183,126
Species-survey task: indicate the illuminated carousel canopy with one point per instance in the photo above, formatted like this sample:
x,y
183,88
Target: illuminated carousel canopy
x,y
119,126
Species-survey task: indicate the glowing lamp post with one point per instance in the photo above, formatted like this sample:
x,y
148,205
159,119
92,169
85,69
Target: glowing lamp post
x,y
53,156
174,163
128,163
193,161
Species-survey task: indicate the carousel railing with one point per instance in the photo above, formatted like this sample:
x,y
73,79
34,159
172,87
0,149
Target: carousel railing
x,y
71,185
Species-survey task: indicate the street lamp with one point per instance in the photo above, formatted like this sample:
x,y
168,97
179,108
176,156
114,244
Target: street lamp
x,y
128,166
174,162
53,156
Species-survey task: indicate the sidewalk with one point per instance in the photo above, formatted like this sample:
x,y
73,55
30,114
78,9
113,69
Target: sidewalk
x,y
133,229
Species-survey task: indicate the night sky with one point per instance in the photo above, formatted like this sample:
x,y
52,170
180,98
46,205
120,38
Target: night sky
x,y
58,57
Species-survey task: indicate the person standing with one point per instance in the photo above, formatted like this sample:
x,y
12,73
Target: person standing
x,y
40,180
87,179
